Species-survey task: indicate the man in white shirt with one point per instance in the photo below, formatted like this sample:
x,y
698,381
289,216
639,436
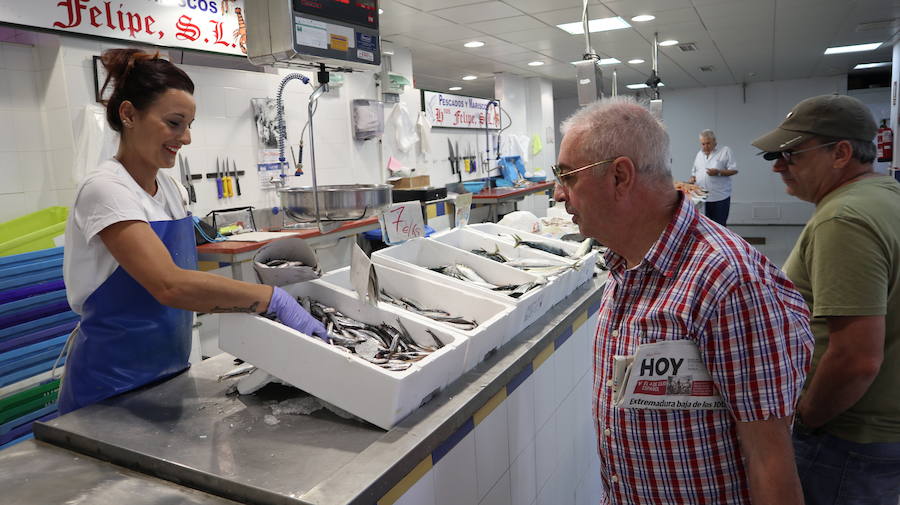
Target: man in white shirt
x,y
713,168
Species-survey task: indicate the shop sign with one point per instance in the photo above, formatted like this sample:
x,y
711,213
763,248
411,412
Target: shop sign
x,y
457,111
205,25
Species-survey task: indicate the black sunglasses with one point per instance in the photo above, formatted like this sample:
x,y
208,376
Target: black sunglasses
x,y
786,154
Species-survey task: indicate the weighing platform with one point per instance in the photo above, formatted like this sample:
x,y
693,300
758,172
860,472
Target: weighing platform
x,y
187,431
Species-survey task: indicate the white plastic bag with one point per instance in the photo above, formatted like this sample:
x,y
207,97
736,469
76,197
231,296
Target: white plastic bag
x,y
97,141
404,130
521,220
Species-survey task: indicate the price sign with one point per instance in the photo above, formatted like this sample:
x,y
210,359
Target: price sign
x,y
402,221
463,208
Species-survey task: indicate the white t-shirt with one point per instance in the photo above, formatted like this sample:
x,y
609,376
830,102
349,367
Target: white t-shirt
x,y
106,196
719,187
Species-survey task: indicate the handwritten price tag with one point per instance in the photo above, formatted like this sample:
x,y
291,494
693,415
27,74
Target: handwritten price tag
x,y
463,208
402,221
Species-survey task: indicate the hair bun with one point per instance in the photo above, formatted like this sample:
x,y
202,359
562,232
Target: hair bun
x,y
120,62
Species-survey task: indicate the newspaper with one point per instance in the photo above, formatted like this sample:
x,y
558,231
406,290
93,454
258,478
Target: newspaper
x,y
668,375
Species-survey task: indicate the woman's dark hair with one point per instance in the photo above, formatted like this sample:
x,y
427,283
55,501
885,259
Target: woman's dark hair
x,y
140,78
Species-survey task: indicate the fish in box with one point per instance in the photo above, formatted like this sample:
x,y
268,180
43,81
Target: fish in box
x,y
380,396
420,256
490,315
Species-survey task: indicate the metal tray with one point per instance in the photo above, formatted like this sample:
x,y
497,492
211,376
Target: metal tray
x,y
341,202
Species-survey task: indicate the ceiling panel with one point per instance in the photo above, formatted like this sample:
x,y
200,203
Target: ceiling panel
x,y
560,16
533,6
430,5
506,25
474,13
745,40
442,34
548,35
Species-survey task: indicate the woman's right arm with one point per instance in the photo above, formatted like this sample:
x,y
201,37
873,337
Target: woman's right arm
x,y
142,254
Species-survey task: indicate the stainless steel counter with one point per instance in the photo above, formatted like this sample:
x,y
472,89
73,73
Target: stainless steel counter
x,y
188,431
34,473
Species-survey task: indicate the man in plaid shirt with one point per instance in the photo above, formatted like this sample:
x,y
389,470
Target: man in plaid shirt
x,y
676,275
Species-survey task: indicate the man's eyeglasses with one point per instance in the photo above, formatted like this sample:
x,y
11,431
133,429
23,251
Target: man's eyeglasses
x,y
786,155
559,174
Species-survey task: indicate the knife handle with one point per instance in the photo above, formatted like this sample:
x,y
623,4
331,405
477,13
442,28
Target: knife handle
x,y
237,184
192,194
219,188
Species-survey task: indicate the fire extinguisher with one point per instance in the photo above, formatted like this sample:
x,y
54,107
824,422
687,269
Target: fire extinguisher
x,y
885,142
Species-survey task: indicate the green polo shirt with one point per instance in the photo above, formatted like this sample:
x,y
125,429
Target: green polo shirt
x,y
847,263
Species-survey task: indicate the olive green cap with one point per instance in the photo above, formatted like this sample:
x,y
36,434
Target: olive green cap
x,y
835,116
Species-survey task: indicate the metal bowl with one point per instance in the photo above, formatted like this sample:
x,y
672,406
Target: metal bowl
x,y
340,202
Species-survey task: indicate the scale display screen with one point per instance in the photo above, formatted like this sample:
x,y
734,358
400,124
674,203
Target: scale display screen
x,y
357,12
340,30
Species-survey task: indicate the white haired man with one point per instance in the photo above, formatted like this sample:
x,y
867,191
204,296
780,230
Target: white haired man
x,y
677,277
845,263
713,168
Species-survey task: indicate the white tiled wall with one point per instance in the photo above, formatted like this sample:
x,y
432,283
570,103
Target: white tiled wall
x,y
545,425
46,80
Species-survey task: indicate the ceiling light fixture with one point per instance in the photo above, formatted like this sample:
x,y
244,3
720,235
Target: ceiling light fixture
x,y
862,66
670,42
641,85
535,63
602,61
474,43
470,77
636,61
595,25
643,17
454,88
852,49
380,11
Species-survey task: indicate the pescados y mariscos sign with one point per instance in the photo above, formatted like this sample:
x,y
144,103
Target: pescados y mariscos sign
x,y
457,111
205,25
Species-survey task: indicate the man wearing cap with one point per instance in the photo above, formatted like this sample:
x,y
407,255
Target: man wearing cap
x,y
846,264
713,167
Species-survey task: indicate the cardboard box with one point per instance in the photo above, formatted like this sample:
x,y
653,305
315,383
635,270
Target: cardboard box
x,y
416,181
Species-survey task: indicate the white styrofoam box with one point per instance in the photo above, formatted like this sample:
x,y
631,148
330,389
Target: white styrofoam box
x,y
579,276
490,314
381,397
419,255
467,240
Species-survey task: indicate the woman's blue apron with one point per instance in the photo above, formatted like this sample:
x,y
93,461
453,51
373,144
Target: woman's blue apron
x,y
126,338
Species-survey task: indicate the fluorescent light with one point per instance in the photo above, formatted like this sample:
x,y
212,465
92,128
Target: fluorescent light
x,y
535,63
636,61
474,43
603,61
470,77
643,17
670,42
872,65
454,88
641,86
852,49
387,52
380,11
595,25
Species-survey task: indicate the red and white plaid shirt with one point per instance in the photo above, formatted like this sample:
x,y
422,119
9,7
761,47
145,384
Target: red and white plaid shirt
x,y
702,283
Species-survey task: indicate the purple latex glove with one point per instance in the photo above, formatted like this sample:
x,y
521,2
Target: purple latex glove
x,y
289,312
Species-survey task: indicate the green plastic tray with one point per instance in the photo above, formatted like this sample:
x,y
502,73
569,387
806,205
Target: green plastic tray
x,y
33,232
